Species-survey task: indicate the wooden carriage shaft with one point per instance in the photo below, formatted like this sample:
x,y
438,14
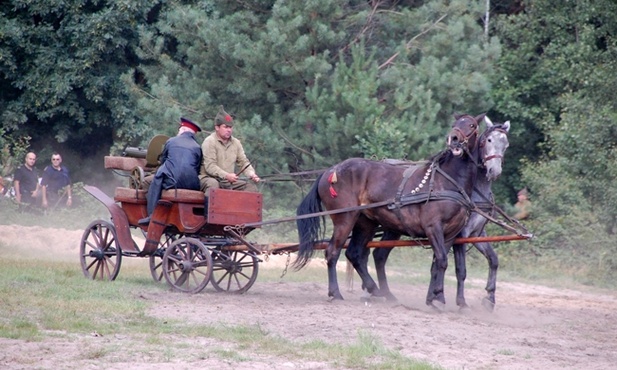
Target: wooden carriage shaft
x,y
293,247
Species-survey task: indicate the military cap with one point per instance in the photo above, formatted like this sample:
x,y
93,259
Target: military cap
x,y
223,117
184,122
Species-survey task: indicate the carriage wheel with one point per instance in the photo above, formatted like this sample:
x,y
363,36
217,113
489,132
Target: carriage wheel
x,y
100,254
234,271
187,265
156,259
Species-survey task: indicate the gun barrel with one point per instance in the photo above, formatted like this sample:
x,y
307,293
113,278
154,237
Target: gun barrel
x,y
135,152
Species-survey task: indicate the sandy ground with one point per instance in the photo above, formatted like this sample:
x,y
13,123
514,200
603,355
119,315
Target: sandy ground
x,y
532,327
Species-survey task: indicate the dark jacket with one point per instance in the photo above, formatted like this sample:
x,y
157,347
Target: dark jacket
x,y
180,162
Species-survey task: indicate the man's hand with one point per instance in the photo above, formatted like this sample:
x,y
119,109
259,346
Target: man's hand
x,y
255,178
231,177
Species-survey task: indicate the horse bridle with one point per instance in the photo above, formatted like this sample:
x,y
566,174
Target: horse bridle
x,y
464,143
483,144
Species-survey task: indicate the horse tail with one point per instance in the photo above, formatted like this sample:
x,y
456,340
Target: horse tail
x,y
309,229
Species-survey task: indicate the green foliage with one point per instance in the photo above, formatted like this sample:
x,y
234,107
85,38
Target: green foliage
x,y
386,141
60,67
557,78
13,149
549,51
311,82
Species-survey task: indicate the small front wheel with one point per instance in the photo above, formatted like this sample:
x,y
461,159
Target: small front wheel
x,y
187,265
100,253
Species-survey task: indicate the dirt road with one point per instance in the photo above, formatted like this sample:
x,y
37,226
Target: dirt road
x,y
533,326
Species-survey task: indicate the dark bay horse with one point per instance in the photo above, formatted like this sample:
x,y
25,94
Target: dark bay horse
x,y
432,201
493,143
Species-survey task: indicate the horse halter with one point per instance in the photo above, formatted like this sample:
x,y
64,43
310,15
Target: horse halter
x,y
462,138
486,158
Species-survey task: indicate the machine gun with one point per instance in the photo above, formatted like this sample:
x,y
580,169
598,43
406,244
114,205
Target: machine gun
x,y
135,152
138,161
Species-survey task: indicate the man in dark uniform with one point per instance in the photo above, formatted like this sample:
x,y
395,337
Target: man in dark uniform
x,y
56,183
26,182
180,163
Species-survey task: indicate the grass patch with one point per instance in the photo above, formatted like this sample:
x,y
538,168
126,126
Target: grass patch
x,y
45,299
505,352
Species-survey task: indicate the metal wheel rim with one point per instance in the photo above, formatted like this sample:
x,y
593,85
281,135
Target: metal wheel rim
x,y
234,271
187,265
100,254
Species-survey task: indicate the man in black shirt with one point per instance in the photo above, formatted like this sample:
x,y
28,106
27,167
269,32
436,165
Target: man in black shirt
x,y
26,182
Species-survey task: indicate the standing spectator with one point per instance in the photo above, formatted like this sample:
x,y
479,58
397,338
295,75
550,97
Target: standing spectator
x,y
179,167
26,183
56,183
223,156
523,206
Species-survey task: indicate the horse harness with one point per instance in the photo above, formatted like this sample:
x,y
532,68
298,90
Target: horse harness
x,y
416,197
486,208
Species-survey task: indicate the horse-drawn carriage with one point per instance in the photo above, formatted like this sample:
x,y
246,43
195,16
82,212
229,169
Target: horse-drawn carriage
x,y
192,240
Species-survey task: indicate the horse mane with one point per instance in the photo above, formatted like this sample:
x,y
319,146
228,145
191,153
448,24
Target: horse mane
x,y
496,126
440,157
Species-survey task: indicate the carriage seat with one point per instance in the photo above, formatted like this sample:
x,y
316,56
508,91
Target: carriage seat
x,y
129,195
183,196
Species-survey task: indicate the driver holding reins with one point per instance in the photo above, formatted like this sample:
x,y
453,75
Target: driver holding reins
x,y
224,159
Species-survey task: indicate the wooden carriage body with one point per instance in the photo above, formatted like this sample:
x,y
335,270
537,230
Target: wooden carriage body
x,y
179,211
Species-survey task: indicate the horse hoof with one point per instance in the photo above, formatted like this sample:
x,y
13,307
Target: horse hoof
x,y
392,299
488,305
438,306
464,309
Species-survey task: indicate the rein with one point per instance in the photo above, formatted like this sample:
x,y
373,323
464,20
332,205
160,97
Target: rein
x,y
486,208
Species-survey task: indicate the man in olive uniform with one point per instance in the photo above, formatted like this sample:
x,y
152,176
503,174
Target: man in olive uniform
x,y
523,205
179,169
224,159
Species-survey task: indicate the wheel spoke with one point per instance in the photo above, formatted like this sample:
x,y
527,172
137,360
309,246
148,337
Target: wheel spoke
x,y
96,269
175,258
218,281
183,278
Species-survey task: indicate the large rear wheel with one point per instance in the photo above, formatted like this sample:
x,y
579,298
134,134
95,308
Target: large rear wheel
x,y
100,254
234,271
187,265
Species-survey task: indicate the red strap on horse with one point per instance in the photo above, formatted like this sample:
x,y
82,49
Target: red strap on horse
x,y
332,180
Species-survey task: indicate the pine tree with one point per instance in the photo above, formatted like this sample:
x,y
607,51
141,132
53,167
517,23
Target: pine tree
x,y
315,82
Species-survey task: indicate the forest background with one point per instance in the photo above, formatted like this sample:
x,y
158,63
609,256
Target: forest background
x,y
313,82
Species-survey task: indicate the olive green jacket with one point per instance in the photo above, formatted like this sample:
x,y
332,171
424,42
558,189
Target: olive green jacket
x,y
219,159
